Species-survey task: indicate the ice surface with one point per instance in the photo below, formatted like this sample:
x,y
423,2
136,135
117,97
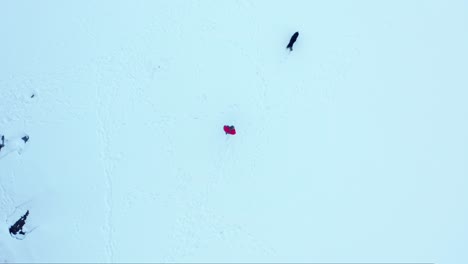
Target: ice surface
x,y
351,148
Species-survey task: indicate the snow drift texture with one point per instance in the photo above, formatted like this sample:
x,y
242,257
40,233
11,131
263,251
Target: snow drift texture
x,y
351,148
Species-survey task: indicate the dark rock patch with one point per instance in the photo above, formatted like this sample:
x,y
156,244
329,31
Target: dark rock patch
x,y
25,138
3,143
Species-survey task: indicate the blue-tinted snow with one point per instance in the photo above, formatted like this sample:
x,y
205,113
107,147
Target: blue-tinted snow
x,y
351,148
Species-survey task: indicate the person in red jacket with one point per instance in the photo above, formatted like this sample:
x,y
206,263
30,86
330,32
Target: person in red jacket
x,y
229,130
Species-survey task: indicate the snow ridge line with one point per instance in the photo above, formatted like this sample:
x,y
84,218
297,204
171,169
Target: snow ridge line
x,y
6,200
108,167
103,135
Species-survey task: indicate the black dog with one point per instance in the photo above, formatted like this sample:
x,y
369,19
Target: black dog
x,y
293,39
18,226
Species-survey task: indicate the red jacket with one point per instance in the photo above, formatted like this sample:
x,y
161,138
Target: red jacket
x,y
230,130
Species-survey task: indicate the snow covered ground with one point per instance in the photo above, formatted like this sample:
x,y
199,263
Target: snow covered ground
x,y
351,148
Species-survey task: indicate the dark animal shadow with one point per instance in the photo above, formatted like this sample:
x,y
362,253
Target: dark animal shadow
x,y
291,42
